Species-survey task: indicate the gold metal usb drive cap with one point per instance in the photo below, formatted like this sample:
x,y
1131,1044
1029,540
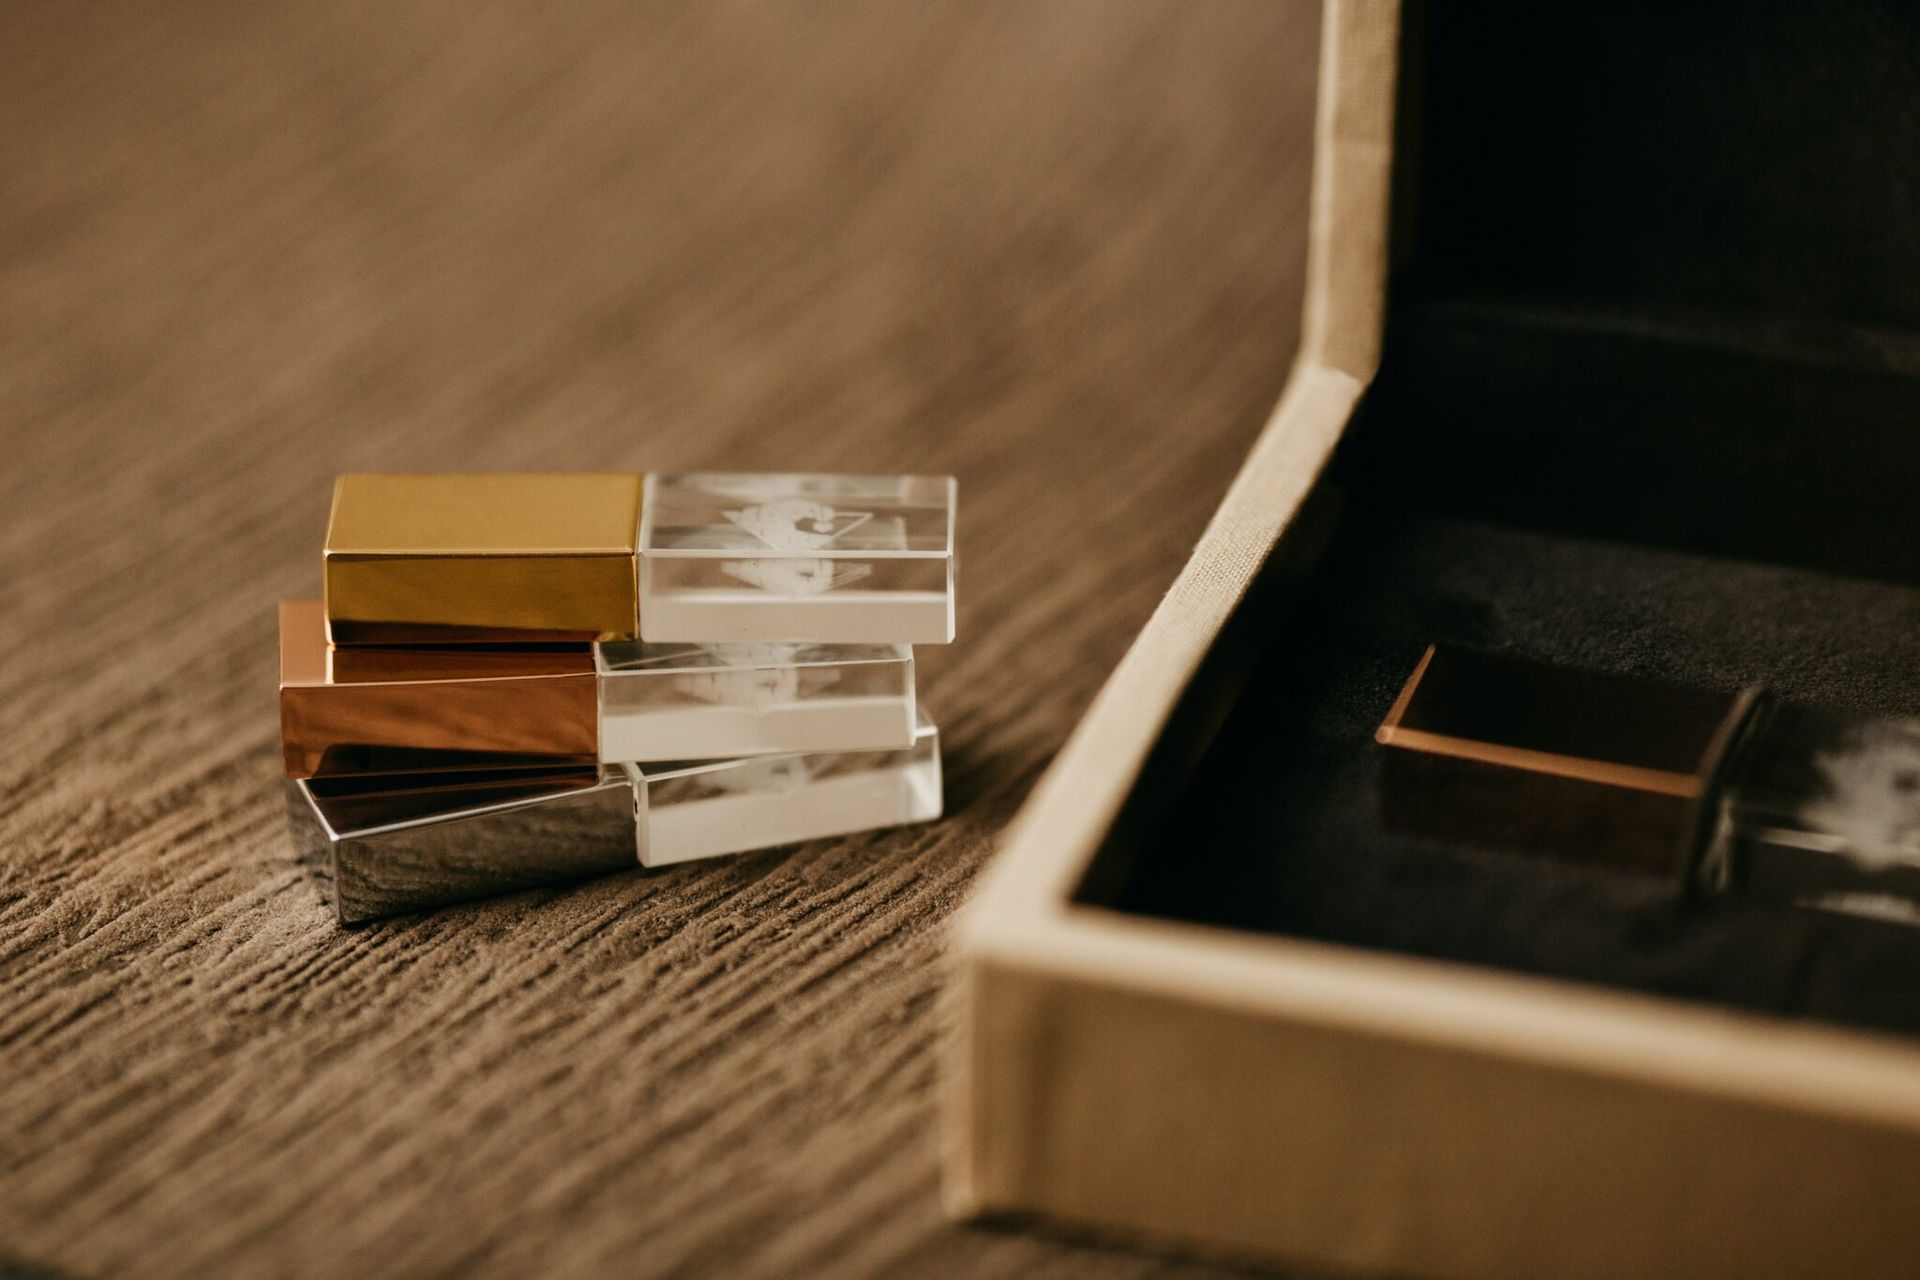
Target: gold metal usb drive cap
x,y
409,708
482,559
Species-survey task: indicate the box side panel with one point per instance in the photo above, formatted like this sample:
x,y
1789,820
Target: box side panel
x,y
1061,826
1051,846
1248,1133
1347,239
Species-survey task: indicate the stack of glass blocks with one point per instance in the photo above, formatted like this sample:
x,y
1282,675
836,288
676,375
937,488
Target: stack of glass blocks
x,y
520,679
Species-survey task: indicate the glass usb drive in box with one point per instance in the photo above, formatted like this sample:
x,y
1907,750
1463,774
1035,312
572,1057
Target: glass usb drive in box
x,y
1726,794
393,709
475,559
825,558
384,846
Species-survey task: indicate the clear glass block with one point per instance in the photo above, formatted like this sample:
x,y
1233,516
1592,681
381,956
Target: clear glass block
x,y
828,559
664,701
1820,809
710,809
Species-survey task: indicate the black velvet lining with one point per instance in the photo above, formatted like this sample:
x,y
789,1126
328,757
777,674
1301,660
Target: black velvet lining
x,y
1741,156
1765,438
1279,830
1657,274
1650,404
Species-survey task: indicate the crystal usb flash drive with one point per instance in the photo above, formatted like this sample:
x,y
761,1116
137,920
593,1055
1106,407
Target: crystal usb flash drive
x,y
1730,794
383,847
712,701
372,709
706,556
831,559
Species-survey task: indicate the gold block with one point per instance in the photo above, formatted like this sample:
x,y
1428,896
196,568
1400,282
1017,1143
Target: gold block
x,y
481,559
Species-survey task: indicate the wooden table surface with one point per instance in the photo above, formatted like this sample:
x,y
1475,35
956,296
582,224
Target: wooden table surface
x,y
1054,248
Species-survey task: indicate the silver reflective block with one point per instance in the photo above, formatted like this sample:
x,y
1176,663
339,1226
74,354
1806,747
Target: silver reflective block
x,y
389,844
381,848
832,559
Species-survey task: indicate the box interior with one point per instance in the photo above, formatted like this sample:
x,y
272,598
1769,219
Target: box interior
x,y
1647,406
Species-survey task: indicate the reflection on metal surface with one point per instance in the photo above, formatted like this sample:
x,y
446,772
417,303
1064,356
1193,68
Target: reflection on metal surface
x,y
447,559
383,845
381,850
358,710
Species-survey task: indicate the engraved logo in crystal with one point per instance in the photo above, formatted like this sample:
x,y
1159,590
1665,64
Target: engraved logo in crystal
x,y
763,676
796,524
772,773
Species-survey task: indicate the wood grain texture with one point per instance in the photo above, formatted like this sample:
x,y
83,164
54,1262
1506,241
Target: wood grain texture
x,y
1052,248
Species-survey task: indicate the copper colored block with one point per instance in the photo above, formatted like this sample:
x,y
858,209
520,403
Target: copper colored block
x,y
1526,758
371,710
479,559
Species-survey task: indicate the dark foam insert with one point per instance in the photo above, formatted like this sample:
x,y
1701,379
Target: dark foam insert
x,y
1656,275
1650,405
1279,829
1741,157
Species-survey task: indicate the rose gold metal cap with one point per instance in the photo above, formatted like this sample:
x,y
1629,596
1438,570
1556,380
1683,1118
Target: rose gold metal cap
x,y
1529,758
411,709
